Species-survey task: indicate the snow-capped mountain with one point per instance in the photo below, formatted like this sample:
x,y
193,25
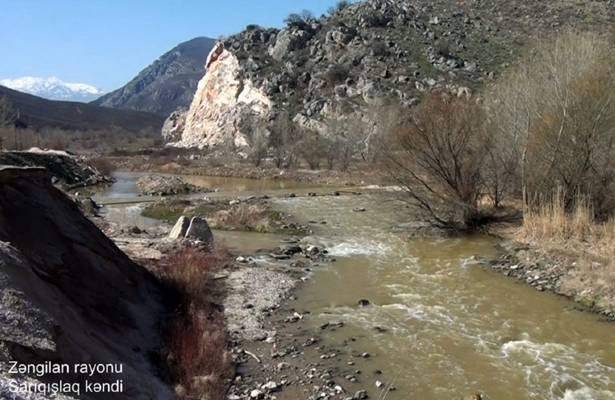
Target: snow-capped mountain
x,y
53,88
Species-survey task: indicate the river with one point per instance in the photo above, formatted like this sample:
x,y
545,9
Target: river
x,y
453,328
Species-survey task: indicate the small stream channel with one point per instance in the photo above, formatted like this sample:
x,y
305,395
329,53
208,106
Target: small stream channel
x,y
453,328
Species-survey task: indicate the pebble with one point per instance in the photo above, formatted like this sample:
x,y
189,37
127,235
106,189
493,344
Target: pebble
x,y
360,395
270,386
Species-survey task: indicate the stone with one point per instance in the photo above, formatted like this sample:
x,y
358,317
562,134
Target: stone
x,y
173,126
270,386
360,395
257,394
180,228
199,230
363,303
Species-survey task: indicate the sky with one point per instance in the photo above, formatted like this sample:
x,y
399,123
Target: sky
x,y
107,42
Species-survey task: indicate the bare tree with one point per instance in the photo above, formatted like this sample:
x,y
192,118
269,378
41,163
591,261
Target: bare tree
x,y
283,140
7,114
311,148
553,114
437,155
260,144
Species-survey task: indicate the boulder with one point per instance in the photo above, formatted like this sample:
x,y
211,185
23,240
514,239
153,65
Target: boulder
x,y
287,41
180,228
199,230
174,126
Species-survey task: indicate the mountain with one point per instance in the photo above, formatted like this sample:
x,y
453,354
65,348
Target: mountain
x,y
345,65
38,113
167,84
53,88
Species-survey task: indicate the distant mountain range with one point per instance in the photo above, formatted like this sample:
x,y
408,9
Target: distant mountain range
x,y
53,88
167,84
38,113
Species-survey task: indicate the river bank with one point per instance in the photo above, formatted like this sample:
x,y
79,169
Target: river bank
x,y
177,161
435,324
560,271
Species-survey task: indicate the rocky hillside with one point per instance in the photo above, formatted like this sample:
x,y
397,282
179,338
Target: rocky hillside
x,y
68,295
167,84
363,56
38,113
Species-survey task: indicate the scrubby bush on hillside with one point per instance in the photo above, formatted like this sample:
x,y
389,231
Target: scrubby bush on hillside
x,y
339,6
299,19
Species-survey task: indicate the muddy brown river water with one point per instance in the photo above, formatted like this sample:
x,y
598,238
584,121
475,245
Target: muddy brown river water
x,y
453,328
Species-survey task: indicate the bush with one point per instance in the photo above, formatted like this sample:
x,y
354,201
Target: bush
x,y
311,149
339,6
197,341
300,20
438,156
336,74
103,165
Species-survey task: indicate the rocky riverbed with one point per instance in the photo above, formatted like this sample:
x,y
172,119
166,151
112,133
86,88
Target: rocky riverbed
x,y
385,308
549,271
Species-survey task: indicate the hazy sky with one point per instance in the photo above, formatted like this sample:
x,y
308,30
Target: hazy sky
x,y
107,42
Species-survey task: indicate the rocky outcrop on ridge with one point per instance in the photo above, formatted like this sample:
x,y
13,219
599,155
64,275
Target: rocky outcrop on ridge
x,y
366,55
68,295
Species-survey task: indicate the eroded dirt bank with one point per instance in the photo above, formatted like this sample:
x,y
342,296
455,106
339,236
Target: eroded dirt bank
x,y
70,296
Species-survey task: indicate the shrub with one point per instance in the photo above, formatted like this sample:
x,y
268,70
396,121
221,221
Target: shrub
x,y
437,155
311,149
336,74
103,165
339,6
197,341
299,19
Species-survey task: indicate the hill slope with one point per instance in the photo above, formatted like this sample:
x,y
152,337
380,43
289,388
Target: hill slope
x,y
57,274
37,113
167,84
367,54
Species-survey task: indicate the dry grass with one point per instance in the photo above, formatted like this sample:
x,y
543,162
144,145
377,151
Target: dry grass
x,y
198,354
590,245
592,282
576,230
243,216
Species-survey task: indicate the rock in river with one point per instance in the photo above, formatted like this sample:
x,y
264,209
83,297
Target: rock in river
x,y
199,230
196,228
180,228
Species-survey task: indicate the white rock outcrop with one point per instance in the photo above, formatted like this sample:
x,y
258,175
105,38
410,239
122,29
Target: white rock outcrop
x,y
224,100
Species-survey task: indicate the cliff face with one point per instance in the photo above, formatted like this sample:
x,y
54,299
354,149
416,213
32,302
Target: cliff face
x,y
223,104
366,55
69,295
